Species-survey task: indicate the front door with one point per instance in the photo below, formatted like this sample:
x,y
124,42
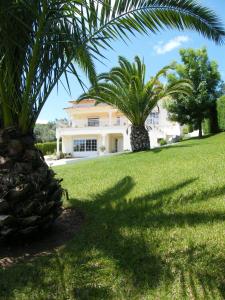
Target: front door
x,y
116,145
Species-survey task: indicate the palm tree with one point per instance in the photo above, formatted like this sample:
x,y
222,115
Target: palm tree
x,y
125,88
40,40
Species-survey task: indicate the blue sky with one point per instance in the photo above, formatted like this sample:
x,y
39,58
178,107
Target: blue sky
x,y
157,50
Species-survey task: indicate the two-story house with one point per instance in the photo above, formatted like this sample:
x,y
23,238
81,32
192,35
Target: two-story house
x,y
98,129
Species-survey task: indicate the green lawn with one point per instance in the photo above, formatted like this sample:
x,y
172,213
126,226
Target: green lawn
x,y
154,229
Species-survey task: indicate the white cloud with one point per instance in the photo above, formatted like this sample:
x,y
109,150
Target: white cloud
x,y
174,43
39,121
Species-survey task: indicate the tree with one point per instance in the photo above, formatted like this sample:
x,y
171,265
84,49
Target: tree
x,y
206,81
40,40
46,132
125,88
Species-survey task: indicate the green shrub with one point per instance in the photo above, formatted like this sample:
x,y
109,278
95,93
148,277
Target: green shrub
x,y
221,112
190,128
47,148
185,130
162,142
206,126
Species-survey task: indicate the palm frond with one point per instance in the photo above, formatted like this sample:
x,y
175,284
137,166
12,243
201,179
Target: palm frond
x,y
124,87
40,40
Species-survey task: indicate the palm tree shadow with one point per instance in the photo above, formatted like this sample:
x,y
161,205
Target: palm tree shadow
x,y
114,229
112,220
199,272
173,147
110,217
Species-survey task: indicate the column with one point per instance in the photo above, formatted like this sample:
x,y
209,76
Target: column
x,y
103,140
107,143
104,144
58,146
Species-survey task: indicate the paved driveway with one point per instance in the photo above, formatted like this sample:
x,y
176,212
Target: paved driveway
x,y
66,161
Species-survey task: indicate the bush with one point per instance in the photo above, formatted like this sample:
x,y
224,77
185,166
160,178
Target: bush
x,y
190,128
206,126
185,130
221,112
102,148
47,148
162,142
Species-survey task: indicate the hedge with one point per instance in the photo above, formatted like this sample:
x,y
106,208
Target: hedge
x,y
206,126
221,112
47,148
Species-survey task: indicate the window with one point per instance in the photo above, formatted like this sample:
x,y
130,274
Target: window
x,y
153,118
85,145
79,146
93,122
91,145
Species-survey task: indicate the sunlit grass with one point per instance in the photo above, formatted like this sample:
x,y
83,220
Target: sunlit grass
x,y
154,229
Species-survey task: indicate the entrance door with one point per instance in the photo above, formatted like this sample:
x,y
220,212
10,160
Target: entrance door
x,y
116,145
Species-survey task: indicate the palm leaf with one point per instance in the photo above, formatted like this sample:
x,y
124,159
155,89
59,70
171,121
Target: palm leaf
x,y
40,40
124,88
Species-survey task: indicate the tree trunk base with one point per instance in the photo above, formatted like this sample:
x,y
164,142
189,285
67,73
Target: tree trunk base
x,y
30,195
139,138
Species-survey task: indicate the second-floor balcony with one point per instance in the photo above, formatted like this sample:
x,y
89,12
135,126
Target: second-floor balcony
x,y
93,126
93,123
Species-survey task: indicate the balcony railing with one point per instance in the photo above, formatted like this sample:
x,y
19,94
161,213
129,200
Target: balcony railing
x,y
91,124
122,123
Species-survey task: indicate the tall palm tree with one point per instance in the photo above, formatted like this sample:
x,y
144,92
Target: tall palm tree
x,y
40,40
125,88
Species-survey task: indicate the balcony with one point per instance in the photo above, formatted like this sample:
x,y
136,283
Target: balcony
x,y
99,123
84,129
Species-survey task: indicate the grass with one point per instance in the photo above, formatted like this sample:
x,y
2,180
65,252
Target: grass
x,y
154,229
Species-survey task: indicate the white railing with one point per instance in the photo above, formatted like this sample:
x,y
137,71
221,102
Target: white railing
x,y
114,123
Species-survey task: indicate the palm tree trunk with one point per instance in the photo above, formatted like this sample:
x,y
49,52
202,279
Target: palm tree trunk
x,y
30,196
139,138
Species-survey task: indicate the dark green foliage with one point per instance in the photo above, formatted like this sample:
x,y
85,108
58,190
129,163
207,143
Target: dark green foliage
x,y
47,148
213,118
206,126
190,128
201,104
162,142
221,112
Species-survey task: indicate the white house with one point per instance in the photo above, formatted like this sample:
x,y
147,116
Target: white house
x,y
98,129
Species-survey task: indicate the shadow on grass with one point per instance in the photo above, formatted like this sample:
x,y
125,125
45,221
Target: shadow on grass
x,y
183,144
200,272
114,234
168,147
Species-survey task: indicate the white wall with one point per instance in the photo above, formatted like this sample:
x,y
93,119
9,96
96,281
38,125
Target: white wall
x,y
68,142
108,140
165,128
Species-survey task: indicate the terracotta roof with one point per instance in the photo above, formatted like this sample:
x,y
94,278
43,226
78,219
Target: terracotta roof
x,y
85,103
